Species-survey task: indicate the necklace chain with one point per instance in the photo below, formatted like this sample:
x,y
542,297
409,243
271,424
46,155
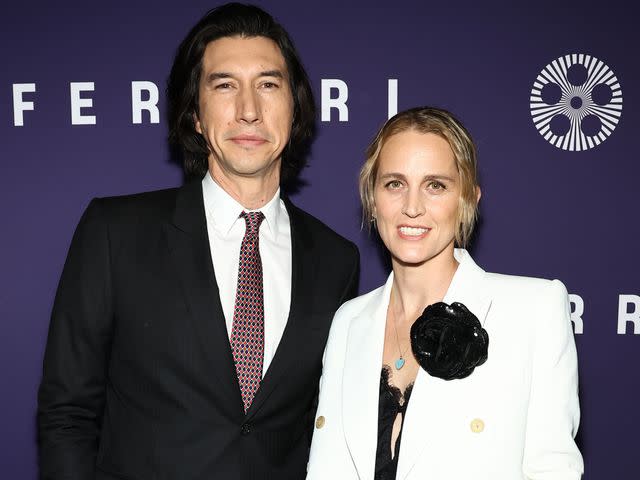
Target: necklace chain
x,y
399,363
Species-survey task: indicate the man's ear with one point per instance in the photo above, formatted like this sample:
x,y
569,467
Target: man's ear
x,y
196,123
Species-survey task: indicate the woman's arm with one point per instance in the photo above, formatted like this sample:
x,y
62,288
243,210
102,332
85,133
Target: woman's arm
x,y
552,421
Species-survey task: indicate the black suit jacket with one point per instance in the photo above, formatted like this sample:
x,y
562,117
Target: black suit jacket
x,y
139,381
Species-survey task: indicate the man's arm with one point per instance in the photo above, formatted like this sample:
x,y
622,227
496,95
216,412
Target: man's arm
x,y
351,289
72,393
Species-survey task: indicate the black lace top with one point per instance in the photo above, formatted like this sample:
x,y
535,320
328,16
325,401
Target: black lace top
x,y
392,402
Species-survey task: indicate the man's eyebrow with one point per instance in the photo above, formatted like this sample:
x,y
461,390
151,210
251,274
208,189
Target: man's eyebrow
x,y
224,75
272,73
217,75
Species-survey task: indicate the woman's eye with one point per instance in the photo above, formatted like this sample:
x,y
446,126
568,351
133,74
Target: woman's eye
x,y
436,186
393,184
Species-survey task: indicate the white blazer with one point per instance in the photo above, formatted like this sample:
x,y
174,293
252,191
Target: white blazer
x,y
515,417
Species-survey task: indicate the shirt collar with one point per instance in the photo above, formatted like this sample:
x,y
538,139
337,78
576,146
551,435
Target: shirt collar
x,y
224,211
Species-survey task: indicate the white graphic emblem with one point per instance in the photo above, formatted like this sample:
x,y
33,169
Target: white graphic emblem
x,y
576,102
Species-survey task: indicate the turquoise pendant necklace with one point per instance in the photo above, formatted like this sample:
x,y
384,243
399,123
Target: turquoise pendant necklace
x,y
399,363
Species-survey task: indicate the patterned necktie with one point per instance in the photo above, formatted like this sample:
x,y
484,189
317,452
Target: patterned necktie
x,y
247,333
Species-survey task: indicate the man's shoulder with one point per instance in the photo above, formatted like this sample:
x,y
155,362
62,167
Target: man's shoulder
x,y
353,308
154,199
137,207
320,232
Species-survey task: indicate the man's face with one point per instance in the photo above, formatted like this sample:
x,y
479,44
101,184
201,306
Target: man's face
x,y
245,107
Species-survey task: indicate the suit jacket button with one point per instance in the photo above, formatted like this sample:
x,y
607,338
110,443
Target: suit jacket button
x,y
320,422
245,429
477,425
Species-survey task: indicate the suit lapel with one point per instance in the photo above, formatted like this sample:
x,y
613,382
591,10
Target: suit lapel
x,y
361,380
302,279
431,396
189,248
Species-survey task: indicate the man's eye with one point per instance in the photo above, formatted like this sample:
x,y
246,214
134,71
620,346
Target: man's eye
x,y
269,85
223,86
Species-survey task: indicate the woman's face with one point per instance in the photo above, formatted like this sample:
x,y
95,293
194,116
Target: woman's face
x,y
416,197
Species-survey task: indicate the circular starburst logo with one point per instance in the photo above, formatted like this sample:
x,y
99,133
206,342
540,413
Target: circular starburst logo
x,y
576,102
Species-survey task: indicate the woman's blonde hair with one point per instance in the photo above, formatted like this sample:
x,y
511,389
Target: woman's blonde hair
x,y
445,125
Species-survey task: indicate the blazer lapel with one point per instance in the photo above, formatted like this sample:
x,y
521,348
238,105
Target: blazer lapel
x,y
431,396
189,248
361,380
302,278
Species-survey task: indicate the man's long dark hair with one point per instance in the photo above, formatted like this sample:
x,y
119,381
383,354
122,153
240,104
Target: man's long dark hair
x,y
234,19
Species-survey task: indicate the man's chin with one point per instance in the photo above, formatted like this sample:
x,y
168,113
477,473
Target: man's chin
x,y
247,168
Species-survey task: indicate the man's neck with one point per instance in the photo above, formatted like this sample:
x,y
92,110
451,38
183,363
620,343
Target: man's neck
x,y
250,192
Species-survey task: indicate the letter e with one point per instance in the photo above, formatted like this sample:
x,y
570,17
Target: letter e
x,y
78,103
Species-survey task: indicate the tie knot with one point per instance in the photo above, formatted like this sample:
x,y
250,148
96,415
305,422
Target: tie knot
x,y
253,221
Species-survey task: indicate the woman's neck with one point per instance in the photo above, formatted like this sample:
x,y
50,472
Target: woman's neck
x,y
417,286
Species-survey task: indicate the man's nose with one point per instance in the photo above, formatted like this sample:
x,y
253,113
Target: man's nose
x,y
248,106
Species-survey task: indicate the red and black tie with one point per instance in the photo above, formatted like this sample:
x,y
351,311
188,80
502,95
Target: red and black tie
x,y
247,334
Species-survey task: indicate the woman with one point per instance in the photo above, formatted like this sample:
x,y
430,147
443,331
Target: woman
x,y
485,388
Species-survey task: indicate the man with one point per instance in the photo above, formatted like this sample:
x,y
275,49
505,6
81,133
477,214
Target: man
x,y
187,333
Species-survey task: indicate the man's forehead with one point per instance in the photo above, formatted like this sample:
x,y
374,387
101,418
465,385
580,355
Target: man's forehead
x,y
260,53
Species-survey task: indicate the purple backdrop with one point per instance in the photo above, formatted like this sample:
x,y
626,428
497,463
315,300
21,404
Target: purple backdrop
x,y
546,211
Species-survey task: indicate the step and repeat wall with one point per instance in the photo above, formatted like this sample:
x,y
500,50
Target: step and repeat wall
x,y
549,92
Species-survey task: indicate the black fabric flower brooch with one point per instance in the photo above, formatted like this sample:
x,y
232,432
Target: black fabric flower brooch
x,y
448,341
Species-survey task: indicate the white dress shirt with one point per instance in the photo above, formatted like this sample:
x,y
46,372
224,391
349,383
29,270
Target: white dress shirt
x,y
226,230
